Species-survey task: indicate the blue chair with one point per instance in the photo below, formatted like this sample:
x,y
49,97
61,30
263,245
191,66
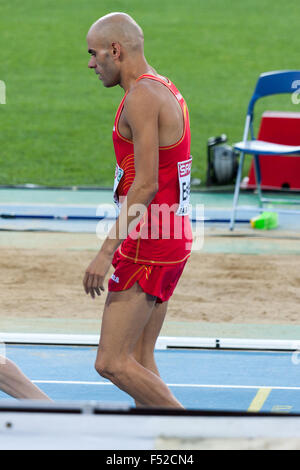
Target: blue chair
x,y
270,83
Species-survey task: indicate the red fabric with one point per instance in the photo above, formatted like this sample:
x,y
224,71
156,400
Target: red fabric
x,y
278,171
139,246
159,281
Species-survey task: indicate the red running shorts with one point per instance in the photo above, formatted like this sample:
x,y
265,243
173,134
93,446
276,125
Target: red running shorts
x,y
159,281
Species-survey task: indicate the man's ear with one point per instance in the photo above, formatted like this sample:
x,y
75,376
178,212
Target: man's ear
x,y
116,50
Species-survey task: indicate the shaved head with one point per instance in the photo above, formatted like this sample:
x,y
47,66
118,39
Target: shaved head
x,y
118,28
116,46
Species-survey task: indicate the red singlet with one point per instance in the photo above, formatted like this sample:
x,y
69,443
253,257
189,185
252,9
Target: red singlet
x,y
160,238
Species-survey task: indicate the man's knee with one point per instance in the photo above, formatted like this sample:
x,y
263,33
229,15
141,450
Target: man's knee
x,y
147,360
108,367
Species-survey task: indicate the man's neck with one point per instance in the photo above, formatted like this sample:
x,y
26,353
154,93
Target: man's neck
x,y
133,69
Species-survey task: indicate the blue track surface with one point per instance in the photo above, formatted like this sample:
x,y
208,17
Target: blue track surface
x,y
210,380
68,218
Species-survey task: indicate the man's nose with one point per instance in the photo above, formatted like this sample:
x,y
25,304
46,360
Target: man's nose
x,y
92,63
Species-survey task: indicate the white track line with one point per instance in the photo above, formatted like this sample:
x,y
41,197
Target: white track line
x,y
62,382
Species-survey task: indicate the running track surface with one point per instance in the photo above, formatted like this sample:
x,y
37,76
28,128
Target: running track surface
x,y
200,379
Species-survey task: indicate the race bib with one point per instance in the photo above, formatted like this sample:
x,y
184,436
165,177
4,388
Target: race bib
x,y
118,175
184,178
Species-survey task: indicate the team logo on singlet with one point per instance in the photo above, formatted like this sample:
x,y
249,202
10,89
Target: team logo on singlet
x,y
118,175
115,278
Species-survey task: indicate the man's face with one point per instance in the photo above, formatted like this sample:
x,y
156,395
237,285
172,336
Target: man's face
x,y
102,62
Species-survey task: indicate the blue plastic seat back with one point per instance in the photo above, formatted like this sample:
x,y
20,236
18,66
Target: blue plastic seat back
x,y
272,83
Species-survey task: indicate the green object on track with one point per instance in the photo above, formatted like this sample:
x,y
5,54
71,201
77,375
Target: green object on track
x,y
265,221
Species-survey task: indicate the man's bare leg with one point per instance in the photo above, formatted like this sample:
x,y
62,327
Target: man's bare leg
x,y
125,316
15,383
144,350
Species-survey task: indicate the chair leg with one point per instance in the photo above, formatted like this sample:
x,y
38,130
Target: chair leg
x,y
258,178
237,191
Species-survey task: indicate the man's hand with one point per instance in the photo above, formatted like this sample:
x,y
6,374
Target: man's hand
x,y
95,274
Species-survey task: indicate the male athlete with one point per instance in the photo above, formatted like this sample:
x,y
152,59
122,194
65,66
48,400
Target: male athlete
x,y
151,137
15,383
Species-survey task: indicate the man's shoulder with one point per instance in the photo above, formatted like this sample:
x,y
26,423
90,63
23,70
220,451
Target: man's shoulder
x,y
144,93
142,99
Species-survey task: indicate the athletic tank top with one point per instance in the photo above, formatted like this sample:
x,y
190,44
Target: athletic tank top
x,y
164,235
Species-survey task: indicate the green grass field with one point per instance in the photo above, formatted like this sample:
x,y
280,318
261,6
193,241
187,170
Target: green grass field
x,y
56,126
